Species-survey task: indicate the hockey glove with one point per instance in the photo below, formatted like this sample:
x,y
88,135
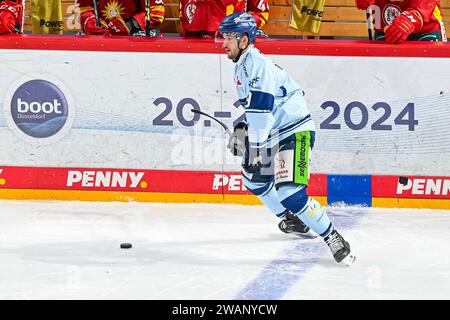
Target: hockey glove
x,y
260,33
364,4
137,23
408,22
9,16
255,160
117,27
238,141
153,33
90,27
252,162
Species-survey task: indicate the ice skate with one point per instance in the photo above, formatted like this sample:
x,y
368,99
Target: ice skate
x,y
292,224
339,248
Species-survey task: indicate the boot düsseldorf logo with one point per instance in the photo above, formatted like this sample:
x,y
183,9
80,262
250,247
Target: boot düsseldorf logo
x,y
39,110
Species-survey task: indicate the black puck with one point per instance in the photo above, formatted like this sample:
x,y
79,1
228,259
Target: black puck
x,y
125,245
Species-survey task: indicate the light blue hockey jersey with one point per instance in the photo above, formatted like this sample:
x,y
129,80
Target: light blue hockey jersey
x,y
274,103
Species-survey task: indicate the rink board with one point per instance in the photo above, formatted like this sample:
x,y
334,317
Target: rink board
x,y
119,109
93,184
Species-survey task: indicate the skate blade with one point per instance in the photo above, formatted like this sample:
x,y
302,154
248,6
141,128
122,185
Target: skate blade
x,y
308,235
348,260
311,234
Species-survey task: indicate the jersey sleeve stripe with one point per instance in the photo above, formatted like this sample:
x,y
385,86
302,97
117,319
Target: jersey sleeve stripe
x,y
261,101
256,111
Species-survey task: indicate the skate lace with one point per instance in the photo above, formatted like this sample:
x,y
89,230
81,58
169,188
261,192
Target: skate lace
x,y
334,242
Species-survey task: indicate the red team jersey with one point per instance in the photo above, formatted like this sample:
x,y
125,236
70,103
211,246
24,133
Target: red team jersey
x,y
16,8
124,9
206,15
430,11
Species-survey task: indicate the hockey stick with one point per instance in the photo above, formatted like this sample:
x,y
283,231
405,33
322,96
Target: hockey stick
x,y
95,3
23,16
18,28
369,22
147,18
211,117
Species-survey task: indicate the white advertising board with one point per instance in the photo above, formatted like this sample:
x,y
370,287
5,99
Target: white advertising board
x,y
377,115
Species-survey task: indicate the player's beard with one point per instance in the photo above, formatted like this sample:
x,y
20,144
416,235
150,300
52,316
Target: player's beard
x,y
232,55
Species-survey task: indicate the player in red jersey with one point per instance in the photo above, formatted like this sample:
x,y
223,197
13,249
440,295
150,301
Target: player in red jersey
x,y
120,17
401,20
201,18
11,15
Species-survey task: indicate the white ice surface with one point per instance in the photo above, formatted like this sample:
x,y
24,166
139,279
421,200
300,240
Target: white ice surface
x,y
70,250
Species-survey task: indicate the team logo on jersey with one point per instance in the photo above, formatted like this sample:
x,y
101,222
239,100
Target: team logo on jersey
x,y
390,13
189,11
254,83
238,82
113,9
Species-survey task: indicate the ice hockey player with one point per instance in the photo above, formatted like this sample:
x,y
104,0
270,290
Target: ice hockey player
x,y
11,15
408,20
201,18
277,137
121,17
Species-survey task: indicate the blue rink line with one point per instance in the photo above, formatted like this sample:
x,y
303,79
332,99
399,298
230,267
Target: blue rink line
x,y
282,273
